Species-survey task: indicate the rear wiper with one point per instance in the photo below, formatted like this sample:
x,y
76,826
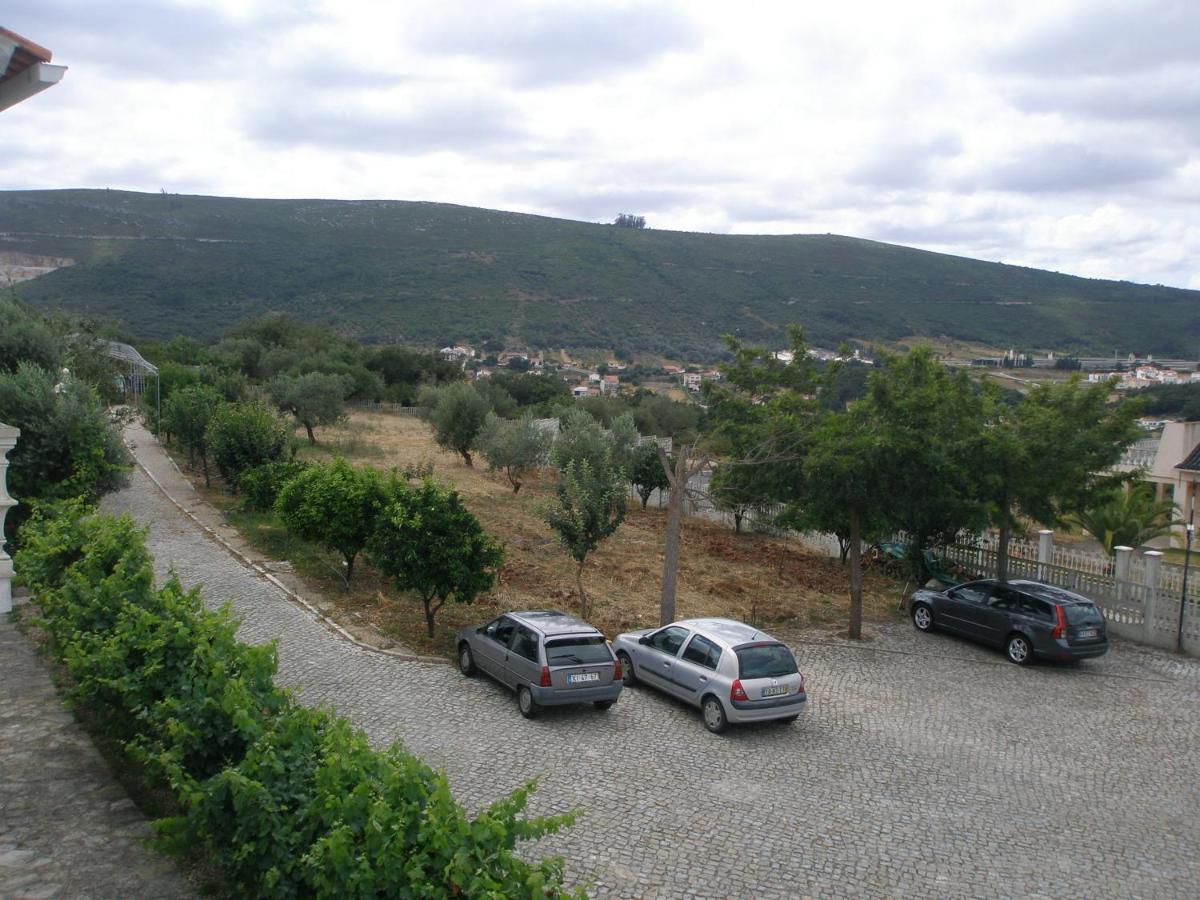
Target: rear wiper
x,y
568,656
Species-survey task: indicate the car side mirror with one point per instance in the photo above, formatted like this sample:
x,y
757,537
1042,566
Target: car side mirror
x,y
479,630
643,640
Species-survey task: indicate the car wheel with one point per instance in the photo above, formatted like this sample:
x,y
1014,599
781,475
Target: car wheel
x,y
466,662
922,617
715,719
602,705
628,676
526,703
1019,650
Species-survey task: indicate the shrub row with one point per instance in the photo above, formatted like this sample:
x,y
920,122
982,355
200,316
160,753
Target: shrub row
x,y
290,801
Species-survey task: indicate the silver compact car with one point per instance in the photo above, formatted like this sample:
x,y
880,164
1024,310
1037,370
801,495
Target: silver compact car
x,y
547,657
732,671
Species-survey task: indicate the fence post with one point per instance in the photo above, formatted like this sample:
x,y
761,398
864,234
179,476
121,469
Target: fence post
x,y
8,440
1153,559
1045,548
1121,573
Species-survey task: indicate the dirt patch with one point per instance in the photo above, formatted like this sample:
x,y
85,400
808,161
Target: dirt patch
x,y
753,577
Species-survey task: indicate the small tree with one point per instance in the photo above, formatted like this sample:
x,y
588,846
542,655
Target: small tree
x,y
456,413
334,505
647,474
186,415
581,438
1126,518
735,489
627,220
314,399
514,447
244,436
427,542
589,506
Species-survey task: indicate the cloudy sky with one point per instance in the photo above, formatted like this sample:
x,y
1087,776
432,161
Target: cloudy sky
x,y
1062,134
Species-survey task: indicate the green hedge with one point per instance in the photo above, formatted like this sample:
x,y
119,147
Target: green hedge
x,y
290,801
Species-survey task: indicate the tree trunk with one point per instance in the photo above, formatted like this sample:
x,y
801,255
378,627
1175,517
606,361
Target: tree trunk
x,y
312,438
737,521
855,630
678,480
466,455
349,567
583,604
429,611
204,463
1005,536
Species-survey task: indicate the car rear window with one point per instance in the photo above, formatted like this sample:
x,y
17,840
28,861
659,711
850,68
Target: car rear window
x,y
578,650
1084,614
765,661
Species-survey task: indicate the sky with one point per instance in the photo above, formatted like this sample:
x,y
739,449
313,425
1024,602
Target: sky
x,y
1063,135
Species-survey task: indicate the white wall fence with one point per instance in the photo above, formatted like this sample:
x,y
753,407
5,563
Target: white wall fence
x,y
384,406
1141,597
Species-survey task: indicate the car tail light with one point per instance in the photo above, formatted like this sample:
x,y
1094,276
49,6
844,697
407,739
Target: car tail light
x,y
545,682
737,692
617,673
1060,624
800,689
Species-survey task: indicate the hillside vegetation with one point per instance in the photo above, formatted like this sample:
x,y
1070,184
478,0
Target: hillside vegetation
x,y
423,273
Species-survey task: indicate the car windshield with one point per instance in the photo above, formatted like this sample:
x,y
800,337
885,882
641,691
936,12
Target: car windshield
x,y
578,650
765,661
1084,614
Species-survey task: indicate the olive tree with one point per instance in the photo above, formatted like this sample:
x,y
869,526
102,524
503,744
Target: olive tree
x,y
456,414
316,398
516,447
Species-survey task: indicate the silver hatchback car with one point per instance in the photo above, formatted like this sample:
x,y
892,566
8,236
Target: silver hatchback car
x,y
732,671
547,657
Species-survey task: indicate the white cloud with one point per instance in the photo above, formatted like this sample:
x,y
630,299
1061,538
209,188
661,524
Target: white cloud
x,y
1065,136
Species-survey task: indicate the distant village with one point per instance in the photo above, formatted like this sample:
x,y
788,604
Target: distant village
x,y
606,379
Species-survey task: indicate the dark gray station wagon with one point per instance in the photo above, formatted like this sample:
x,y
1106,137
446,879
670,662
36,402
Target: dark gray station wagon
x,y
547,657
1027,618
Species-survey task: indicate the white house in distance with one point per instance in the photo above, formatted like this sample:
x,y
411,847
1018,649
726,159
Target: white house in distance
x,y
1171,462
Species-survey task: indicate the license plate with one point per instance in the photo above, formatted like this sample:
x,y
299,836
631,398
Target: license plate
x,y
776,691
1086,634
583,677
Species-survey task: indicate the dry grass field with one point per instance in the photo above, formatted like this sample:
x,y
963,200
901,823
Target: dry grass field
x,y
765,580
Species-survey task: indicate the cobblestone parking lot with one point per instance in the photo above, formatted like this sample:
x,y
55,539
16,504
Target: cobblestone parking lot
x,y
923,766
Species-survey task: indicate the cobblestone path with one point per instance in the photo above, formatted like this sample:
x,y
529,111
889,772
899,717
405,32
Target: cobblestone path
x,y
67,827
924,766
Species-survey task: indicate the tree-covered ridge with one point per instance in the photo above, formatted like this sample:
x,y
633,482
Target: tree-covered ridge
x,y
426,273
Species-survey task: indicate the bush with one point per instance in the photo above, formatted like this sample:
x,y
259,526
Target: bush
x,y
290,801
260,486
69,445
244,436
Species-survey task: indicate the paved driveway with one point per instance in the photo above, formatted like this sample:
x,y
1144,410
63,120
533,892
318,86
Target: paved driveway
x,y
924,766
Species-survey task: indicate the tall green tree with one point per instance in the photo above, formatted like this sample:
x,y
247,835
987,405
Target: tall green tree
x,y
581,438
186,415
456,413
1045,457
427,542
589,507
932,424
314,399
335,505
846,473
515,447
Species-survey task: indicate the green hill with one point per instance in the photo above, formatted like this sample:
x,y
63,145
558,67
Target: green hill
x,y
426,272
